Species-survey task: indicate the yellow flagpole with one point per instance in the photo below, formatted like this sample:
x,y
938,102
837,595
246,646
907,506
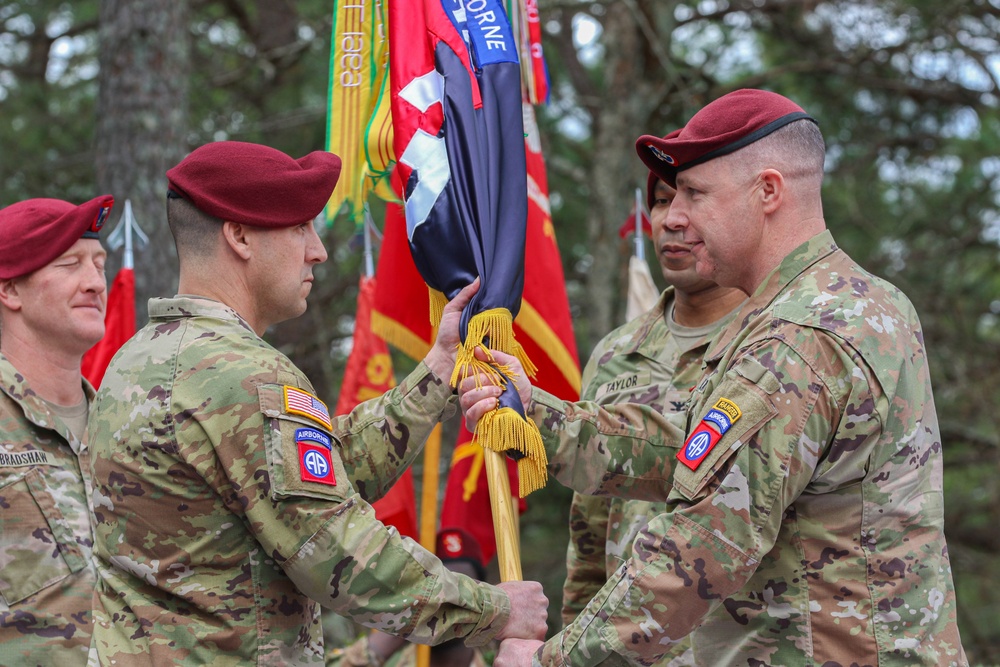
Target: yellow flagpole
x,y
428,512
504,516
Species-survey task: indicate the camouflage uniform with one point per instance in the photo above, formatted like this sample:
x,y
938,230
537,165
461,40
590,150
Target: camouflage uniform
x,y
212,546
641,362
46,571
811,533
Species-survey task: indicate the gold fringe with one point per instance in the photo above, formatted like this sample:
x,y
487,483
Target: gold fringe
x,y
503,430
437,303
400,336
496,326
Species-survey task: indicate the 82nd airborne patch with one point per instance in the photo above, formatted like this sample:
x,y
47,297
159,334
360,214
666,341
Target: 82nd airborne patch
x,y
315,463
709,431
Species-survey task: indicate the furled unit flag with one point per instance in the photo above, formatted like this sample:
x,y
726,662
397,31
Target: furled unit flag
x,y
368,375
458,138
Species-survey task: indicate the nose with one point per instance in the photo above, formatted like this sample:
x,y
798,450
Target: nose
x,y
94,279
676,218
315,250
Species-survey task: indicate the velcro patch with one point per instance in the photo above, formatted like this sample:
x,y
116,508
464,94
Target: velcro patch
x,y
709,431
315,464
698,446
731,409
312,435
298,402
719,420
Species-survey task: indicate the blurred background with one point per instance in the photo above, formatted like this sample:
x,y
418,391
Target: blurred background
x,y
105,96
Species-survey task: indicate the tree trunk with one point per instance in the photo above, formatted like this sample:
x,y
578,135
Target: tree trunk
x,y
615,171
142,125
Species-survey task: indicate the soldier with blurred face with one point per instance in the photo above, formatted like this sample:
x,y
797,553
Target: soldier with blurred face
x,y
655,360
803,483
52,299
228,504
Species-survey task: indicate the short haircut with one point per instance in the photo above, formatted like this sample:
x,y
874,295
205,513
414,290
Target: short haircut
x,y
796,150
196,234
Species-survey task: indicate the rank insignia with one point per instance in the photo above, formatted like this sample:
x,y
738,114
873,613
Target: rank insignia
x,y
298,402
709,431
315,463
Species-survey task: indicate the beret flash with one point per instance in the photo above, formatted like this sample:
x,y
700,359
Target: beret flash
x,y
255,185
729,123
36,231
652,178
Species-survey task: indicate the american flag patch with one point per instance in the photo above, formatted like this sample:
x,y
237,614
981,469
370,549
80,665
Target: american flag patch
x,y
298,402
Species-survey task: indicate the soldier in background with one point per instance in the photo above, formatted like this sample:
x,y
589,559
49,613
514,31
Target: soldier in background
x,y
228,504
656,360
52,299
803,484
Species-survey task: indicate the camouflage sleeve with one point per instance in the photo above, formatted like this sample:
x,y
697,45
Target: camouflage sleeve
x,y
382,436
626,450
726,513
585,555
326,538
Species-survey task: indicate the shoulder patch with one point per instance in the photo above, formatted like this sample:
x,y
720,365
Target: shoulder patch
x,y
315,464
299,402
709,431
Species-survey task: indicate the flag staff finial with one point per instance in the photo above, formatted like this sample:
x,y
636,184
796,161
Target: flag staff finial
x,y
123,236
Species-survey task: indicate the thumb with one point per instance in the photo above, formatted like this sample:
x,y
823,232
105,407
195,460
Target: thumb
x,y
463,298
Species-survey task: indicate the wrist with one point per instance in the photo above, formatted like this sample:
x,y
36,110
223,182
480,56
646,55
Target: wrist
x,y
440,363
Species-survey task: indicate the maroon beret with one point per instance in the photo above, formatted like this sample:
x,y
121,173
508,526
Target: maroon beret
x,y
255,185
653,178
723,126
36,231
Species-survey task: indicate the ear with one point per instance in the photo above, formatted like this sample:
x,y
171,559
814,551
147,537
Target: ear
x,y
772,190
9,296
237,238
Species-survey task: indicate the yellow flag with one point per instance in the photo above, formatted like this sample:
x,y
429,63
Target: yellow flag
x,y
359,127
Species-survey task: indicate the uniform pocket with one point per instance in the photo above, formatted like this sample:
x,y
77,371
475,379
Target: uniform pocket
x,y
755,409
303,457
37,548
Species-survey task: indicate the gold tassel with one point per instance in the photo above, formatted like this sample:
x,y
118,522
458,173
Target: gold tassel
x,y
503,430
437,303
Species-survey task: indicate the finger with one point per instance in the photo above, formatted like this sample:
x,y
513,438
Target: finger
x,y
476,411
463,298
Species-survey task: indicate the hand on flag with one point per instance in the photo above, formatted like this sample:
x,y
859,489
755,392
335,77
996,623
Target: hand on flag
x,y
441,358
478,395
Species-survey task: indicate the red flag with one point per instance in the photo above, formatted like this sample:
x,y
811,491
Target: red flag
x,y
628,227
539,90
119,326
369,374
